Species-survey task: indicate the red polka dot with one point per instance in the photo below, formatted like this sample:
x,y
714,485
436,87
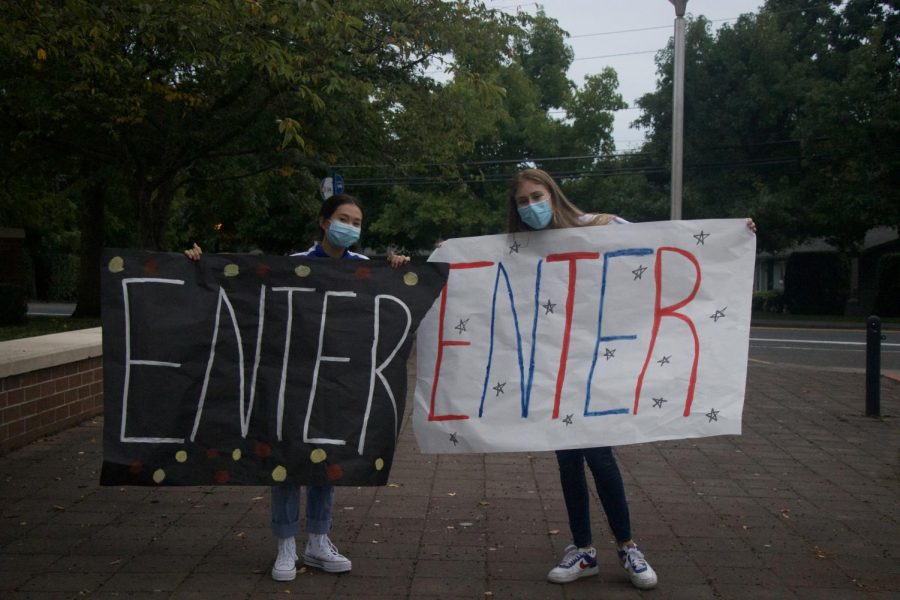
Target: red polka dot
x,y
222,476
263,269
151,266
212,453
334,472
363,272
136,467
263,450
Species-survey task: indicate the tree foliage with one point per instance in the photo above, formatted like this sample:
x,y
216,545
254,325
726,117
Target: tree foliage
x,y
791,115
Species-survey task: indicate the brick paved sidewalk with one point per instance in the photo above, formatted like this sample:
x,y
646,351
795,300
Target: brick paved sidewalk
x,y
804,504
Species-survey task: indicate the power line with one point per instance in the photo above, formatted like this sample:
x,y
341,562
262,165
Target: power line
x,y
496,161
617,54
550,159
573,174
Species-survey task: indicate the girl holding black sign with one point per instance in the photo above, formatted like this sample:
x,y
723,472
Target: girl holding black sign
x,y
536,202
340,221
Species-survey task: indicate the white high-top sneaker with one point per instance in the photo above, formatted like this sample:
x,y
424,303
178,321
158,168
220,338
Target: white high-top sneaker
x,y
322,554
285,568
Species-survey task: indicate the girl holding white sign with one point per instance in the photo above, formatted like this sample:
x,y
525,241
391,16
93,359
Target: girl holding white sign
x,y
536,202
340,221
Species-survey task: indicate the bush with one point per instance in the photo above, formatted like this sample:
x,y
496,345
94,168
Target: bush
x,y
63,284
13,304
769,301
816,283
887,297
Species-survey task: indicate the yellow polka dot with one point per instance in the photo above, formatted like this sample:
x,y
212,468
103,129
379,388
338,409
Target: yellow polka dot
x,y
181,456
379,464
236,455
317,455
302,271
232,270
159,475
279,473
116,264
410,278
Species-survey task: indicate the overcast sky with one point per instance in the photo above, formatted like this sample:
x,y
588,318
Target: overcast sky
x,y
600,28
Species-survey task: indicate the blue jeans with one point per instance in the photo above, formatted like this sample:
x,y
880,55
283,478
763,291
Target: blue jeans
x,y
608,480
286,509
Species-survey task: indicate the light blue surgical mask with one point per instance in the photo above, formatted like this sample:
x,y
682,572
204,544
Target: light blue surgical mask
x,y
536,215
342,235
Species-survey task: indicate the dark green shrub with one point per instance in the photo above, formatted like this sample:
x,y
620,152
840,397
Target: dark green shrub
x,y
63,284
774,302
13,304
887,297
816,283
769,301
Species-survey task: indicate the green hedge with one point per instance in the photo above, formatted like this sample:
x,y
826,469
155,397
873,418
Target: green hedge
x,y
816,283
887,299
769,301
63,284
13,304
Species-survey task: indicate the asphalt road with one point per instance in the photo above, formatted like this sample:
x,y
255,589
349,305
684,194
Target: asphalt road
x,y
831,348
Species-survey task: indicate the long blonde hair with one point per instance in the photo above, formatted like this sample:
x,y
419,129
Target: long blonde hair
x,y
565,214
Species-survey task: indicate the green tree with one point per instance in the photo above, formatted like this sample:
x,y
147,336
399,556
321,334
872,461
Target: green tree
x,y
163,99
790,115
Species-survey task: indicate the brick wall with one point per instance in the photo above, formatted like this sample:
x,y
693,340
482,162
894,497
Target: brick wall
x,y
40,402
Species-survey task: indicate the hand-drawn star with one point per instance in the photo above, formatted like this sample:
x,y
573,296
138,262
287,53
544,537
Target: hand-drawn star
x,y
712,415
664,360
462,325
499,388
514,247
453,438
658,402
701,237
718,314
609,353
548,307
568,420
638,272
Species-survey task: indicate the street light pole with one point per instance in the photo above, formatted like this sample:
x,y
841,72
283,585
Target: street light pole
x,y
678,109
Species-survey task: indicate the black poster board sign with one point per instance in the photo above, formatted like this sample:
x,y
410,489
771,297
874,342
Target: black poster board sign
x,y
256,370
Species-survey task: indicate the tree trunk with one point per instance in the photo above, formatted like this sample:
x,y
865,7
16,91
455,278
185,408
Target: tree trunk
x,y
93,230
152,207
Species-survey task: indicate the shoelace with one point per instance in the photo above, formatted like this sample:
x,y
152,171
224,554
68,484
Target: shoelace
x,y
636,558
330,548
572,557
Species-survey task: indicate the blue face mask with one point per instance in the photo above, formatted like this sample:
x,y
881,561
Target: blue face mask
x,y
537,215
342,235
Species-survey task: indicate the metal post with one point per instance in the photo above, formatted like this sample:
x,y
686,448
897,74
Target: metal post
x,y
678,109
873,366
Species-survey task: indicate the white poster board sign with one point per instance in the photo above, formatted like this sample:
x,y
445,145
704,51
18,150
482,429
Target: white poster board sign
x,y
589,336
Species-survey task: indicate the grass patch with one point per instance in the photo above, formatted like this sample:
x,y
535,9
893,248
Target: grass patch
x,y
43,325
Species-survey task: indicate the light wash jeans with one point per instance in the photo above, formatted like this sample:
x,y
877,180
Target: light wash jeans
x,y
286,509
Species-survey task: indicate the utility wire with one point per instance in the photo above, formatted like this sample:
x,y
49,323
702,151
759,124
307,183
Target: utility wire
x,y
546,159
576,174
